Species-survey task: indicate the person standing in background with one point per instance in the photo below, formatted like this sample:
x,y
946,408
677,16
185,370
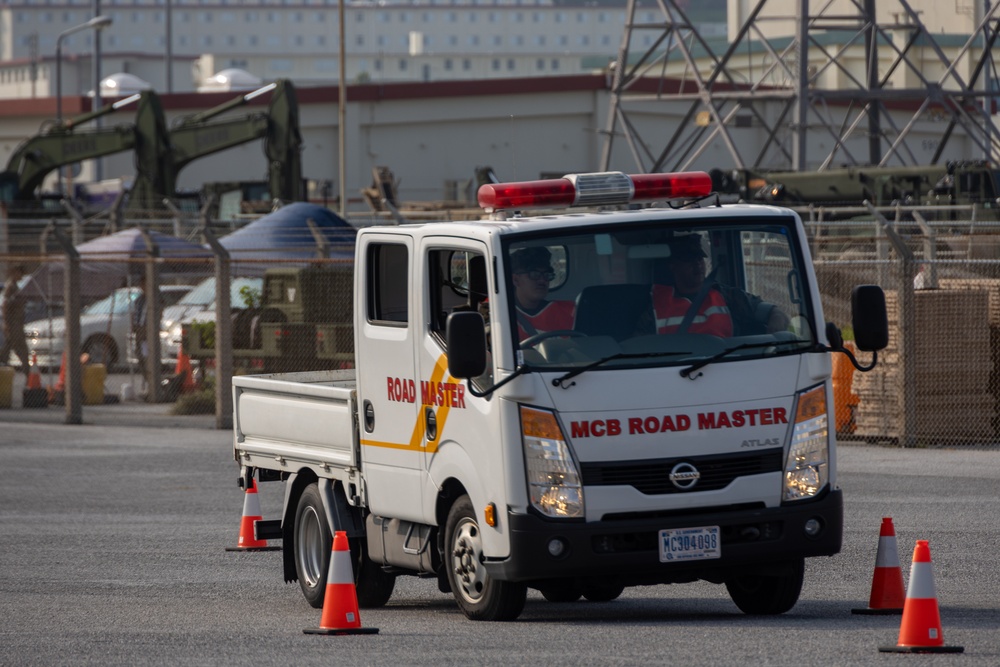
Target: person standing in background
x,y
13,320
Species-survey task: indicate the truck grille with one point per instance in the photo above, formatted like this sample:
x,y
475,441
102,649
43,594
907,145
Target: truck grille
x,y
652,477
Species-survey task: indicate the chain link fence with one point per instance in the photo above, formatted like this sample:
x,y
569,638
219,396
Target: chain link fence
x,y
938,382
271,298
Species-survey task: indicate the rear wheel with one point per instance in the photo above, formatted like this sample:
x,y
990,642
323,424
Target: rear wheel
x,y
313,543
566,591
602,591
374,585
478,595
313,546
760,594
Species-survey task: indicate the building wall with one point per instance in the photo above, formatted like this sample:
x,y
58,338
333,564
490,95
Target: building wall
x,y
777,17
433,136
384,42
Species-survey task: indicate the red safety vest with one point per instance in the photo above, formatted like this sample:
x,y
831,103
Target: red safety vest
x,y
712,318
553,316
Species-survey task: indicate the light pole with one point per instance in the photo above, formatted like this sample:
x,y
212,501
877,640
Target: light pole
x,y
96,23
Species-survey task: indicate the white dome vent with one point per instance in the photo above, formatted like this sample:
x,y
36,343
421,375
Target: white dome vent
x,y
123,84
230,80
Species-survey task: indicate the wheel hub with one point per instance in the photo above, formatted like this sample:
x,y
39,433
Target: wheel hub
x,y
467,562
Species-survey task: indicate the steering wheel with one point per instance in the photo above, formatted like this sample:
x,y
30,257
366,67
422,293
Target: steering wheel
x,y
532,341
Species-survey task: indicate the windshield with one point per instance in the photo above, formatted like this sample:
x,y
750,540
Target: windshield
x,y
203,294
117,303
648,295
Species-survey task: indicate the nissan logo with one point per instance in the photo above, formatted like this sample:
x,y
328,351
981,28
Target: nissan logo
x,y
684,476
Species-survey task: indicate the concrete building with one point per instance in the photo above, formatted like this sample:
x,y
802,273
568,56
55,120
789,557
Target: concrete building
x,y
384,41
431,135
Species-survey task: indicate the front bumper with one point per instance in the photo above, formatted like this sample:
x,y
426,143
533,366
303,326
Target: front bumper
x,y
628,549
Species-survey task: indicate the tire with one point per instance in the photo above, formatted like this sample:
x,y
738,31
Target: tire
x,y
101,350
767,595
373,584
562,592
602,592
480,597
313,542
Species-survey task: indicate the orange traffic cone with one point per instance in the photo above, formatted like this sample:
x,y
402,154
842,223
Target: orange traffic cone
x,y
920,630
340,605
184,366
61,382
34,377
887,594
251,514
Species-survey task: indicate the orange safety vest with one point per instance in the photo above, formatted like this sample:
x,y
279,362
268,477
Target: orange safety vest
x,y
553,316
712,318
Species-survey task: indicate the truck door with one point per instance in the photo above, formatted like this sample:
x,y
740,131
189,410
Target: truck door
x,y
388,400
460,432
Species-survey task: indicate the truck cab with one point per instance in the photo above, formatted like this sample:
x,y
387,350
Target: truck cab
x,y
581,402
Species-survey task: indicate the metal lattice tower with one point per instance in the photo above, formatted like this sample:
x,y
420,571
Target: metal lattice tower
x,y
762,80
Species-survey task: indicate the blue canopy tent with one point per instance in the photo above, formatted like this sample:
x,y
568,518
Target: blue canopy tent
x,y
285,238
117,260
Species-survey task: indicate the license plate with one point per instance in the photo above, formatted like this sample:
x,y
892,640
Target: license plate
x,y
683,544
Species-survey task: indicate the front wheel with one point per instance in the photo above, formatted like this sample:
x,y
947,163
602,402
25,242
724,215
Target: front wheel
x,y
770,594
479,596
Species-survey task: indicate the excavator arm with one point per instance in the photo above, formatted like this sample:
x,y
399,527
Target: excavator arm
x,y
199,136
64,144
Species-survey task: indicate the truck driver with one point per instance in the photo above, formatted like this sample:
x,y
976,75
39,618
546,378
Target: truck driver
x,y
532,273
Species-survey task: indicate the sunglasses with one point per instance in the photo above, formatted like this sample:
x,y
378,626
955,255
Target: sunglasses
x,y
538,275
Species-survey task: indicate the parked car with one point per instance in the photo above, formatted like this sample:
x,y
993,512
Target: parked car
x,y
105,328
170,337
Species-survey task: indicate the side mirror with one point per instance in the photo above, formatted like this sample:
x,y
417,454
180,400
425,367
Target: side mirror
x,y
868,316
465,335
834,336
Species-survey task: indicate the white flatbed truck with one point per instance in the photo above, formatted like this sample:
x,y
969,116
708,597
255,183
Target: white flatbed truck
x,y
611,452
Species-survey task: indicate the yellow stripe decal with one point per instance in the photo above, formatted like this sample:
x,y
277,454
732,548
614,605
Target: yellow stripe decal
x,y
418,436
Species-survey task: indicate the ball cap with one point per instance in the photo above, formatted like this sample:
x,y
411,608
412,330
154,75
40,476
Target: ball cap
x,y
537,258
686,247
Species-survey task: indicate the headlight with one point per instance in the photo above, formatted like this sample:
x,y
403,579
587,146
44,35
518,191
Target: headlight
x,y
807,468
553,481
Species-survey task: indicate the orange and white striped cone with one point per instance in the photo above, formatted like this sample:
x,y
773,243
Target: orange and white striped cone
x,y
920,630
340,604
184,366
34,380
251,514
887,594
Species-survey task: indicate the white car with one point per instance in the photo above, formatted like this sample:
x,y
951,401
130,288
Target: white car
x,y
105,328
171,335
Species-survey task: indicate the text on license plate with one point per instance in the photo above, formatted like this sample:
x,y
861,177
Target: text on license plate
x,y
683,544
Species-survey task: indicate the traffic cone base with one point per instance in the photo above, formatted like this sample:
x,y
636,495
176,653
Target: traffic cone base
x,y
340,604
887,594
921,649
251,514
340,631
920,630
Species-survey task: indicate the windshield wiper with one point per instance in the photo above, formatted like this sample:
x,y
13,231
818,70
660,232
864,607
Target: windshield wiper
x,y
558,382
686,372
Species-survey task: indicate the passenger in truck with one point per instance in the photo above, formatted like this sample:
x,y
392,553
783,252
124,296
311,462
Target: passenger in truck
x,y
532,273
696,303
691,304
